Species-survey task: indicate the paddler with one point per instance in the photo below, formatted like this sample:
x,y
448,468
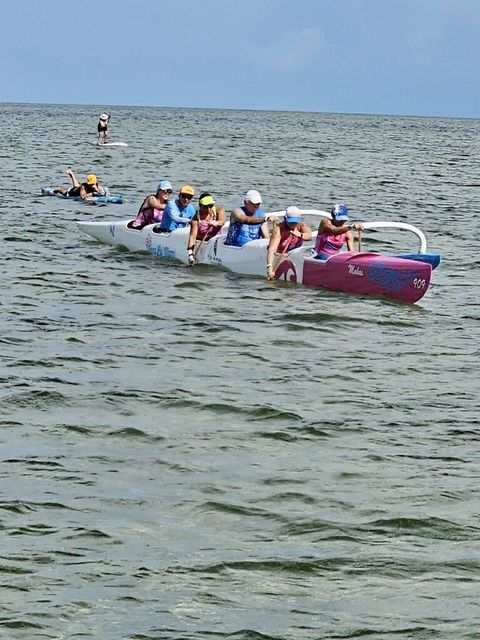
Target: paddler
x,y
153,206
178,212
247,222
206,223
288,234
334,233
91,187
102,128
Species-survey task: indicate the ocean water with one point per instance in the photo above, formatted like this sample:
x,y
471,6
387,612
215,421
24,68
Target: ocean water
x,y
189,454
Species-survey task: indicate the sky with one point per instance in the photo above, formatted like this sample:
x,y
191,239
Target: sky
x,y
395,57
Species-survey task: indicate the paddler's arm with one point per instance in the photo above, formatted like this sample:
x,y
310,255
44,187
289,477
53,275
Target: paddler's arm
x,y
273,244
349,239
150,202
305,233
264,230
326,226
192,237
176,217
83,194
239,216
220,217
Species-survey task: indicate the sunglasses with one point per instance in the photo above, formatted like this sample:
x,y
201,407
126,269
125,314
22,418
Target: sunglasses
x,y
207,206
169,191
187,196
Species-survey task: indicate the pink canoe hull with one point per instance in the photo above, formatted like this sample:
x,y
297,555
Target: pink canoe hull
x,y
361,273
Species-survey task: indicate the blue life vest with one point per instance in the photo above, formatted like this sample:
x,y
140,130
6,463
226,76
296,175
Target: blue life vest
x,y
239,233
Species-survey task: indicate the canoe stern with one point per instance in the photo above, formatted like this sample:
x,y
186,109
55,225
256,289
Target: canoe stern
x,y
370,274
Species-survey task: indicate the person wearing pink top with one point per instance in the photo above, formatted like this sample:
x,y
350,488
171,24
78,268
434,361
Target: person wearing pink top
x,y
206,223
287,235
152,208
332,234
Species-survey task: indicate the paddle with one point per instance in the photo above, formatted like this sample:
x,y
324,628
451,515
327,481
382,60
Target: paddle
x,y
205,235
279,258
106,130
284,252
200,244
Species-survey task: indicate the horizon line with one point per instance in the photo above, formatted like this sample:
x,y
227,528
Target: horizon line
x,y
268,110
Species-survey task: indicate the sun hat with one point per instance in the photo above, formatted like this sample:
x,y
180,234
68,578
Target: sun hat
x,y
104,116
253,196
164,185
91,178
206,201
187,189
340,211
292,214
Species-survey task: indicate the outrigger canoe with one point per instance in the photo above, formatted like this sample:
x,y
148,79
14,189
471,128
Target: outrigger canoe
x,y
403,276
103,199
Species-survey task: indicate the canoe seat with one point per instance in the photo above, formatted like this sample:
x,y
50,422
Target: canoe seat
x,y
130,226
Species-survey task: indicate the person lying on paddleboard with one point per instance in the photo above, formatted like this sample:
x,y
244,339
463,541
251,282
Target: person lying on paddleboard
x,y
102,128
332,234
247,222
286,235
153,206
90,187
206,223
178,212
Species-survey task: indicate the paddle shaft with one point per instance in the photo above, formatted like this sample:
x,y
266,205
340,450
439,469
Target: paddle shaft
x,y
280,256
201,242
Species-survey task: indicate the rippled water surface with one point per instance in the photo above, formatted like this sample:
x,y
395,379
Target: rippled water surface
x,y
191,454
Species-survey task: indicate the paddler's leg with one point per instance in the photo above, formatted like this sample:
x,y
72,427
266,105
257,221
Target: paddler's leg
x,y
73,178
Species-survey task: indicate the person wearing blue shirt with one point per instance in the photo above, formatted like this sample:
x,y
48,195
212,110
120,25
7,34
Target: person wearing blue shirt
x,y
178,212
247,222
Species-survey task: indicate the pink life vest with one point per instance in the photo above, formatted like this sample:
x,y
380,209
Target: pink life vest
x,y
206,230
287,241
147,216
329,243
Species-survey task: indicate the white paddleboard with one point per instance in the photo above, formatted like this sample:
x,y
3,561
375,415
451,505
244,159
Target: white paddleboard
x,y
107,144
113,144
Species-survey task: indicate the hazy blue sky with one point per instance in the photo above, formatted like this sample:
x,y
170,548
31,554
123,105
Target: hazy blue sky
x,y
418,57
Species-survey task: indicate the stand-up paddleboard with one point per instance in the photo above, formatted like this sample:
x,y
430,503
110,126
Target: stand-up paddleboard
x,y
106,144
48,191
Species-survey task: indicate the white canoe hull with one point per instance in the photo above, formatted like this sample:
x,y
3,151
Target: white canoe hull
x,y
249,259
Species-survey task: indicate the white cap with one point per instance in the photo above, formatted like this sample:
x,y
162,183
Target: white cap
x,y
292,211
253,196
292,214
104,116
164,184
